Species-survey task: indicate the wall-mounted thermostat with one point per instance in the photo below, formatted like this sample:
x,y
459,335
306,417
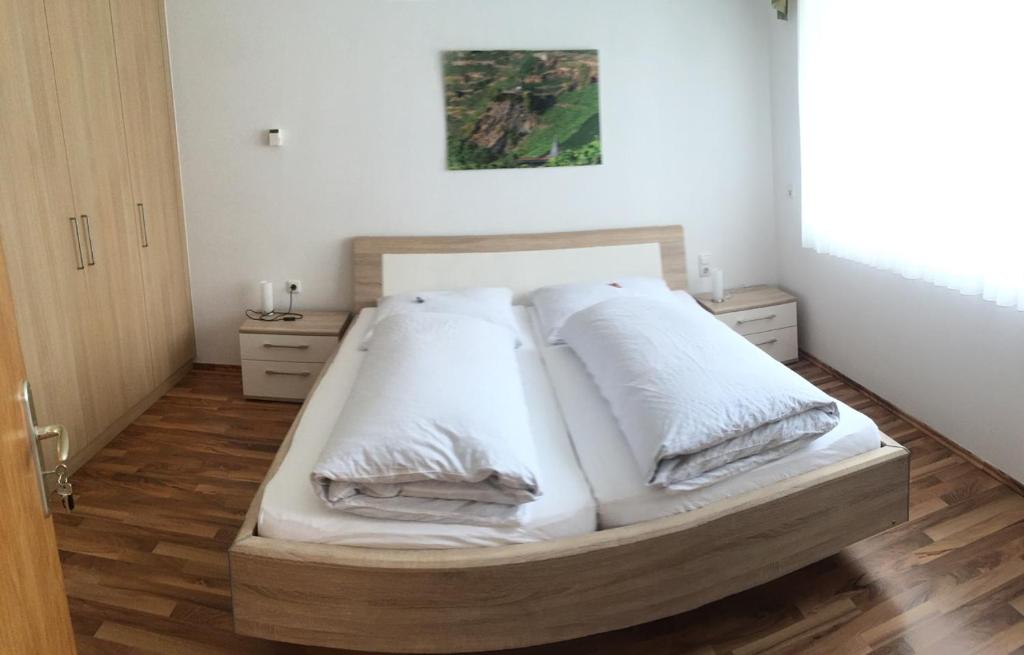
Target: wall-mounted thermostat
x,y
274,137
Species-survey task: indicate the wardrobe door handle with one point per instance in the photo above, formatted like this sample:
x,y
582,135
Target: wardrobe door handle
x,y
80,264
142,225
88,240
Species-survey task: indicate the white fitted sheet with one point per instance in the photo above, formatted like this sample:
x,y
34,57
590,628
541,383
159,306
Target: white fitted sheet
x,y
291,510
617,481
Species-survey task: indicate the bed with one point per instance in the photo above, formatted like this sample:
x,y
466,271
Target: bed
x,y
486,597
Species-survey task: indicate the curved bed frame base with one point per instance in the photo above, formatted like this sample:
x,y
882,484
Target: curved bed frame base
x,y
461,600
512,596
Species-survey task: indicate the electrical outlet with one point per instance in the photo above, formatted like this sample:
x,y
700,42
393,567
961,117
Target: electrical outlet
x,y
704,264
293,286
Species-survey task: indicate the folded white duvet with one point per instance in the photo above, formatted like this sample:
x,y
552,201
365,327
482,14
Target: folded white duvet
x,y
696,401
436,427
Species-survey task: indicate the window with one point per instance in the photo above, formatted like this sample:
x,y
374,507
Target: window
x,y
912,139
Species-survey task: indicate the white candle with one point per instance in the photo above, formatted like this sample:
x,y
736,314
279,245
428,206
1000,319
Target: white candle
x,y
266,297
717,285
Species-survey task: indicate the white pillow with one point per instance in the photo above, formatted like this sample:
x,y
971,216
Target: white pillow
x,y
555,304
492,304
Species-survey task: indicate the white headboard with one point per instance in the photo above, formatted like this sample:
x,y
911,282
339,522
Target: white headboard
x,y
388,265
521,270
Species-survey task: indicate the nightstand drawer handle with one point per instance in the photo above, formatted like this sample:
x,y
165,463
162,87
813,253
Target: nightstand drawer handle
x,y
301,374
766,343
301,346
752,320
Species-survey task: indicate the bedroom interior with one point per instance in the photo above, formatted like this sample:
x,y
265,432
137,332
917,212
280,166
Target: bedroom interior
x,y
295,362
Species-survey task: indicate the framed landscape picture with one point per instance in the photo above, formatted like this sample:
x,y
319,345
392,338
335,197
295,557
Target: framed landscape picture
x,y
522,108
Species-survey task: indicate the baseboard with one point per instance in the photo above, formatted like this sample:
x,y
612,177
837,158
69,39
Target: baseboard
x,y
199,366
117,427
994,471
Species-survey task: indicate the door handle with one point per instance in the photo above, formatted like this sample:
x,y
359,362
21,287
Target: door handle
x,y
88,240
36,436
142,225
78,243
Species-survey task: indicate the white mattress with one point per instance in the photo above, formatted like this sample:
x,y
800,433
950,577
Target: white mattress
x,y
291,510
616,479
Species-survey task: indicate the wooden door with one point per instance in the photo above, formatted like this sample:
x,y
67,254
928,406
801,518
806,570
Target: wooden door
x,y
32,601
82,45
144,74
36,206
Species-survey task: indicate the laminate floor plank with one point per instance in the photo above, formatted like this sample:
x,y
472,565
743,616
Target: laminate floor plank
x,y
145,554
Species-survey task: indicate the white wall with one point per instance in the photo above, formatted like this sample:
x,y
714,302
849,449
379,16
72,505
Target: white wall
x,y
954,362
356,87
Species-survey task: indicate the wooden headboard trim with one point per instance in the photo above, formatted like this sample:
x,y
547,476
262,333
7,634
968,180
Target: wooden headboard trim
x,y
368,251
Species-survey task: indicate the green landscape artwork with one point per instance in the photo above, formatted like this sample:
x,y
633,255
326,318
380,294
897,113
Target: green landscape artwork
x,y
521,108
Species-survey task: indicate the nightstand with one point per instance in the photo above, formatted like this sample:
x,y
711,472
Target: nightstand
x,y
281,359
765,315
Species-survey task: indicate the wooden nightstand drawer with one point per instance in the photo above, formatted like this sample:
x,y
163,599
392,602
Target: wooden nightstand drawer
x,y
780,344
287,347
762,319
279,380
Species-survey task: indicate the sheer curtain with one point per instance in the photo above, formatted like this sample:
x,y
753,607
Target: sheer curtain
x,y
912,139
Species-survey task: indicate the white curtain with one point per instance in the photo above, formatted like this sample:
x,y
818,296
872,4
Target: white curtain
x,y
912,139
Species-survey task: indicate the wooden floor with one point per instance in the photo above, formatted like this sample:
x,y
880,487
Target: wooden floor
x,y
146,566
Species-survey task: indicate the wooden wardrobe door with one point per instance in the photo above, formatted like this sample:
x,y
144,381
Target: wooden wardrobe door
x,y
82,43
139,36
35,207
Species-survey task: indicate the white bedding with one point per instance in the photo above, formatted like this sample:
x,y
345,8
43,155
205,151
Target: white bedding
x,y
618,484
554,305
696,401
291,510
491,304
435,428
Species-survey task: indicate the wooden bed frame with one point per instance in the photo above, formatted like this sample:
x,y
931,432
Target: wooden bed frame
x,y
460,600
